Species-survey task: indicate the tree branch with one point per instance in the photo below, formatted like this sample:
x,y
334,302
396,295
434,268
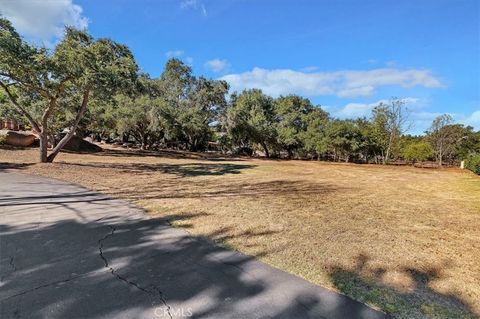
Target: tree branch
x,y
38,89
19,108
61,87
47,112
69,135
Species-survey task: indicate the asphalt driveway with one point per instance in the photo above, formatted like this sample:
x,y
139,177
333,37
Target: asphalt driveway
x,y
68,252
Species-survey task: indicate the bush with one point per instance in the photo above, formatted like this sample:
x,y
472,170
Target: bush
x,y
3,139
473,163
419,151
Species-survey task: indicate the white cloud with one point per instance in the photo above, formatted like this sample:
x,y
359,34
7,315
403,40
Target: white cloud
x,y
188,4
43,19
420,120
423,120
472,119
366,90
354,110
174,53
217,65
348,83
194,5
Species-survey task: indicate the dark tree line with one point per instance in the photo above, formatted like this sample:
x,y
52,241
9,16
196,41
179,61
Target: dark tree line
x,y
88,86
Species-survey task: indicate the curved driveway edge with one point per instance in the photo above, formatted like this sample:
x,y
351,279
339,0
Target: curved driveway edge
x,y
68,252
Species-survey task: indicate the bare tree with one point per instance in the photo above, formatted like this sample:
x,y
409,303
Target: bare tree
x,y
391,121
445,137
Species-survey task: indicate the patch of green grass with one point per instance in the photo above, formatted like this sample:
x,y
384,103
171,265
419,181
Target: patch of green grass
x,y
434,311
400,305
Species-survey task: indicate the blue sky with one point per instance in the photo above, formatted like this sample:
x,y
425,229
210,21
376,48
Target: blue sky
x,y
346,55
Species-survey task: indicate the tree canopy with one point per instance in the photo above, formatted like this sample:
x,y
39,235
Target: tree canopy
x,y
89,86
46,87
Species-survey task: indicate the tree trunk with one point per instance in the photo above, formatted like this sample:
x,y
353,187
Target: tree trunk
x,y
290,153
143,145
265,148
440,156
43,147
389,147
69,135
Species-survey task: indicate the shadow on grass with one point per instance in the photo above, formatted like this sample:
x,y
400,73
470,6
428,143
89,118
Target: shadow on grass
x,y
364,283
5,165
172,154
148,186
97,259
182,170
227,189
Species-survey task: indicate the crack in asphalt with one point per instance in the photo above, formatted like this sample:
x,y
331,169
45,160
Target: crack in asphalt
x,y
154,290
12,264
14,268
43,286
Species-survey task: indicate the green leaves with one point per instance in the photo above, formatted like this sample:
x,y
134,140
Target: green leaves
x,y
52,89
291,123
417,151
62,82
103,66
176,108
250,119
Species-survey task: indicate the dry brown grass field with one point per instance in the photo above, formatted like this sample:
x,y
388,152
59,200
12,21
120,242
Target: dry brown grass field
x,y
403,239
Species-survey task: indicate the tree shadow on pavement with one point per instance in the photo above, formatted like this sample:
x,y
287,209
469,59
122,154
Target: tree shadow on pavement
x,y
123,265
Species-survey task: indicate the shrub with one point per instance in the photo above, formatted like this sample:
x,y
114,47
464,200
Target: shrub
x,y
3,139
473,163
420,151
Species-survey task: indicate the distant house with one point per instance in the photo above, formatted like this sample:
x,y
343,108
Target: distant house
x,y
11,125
